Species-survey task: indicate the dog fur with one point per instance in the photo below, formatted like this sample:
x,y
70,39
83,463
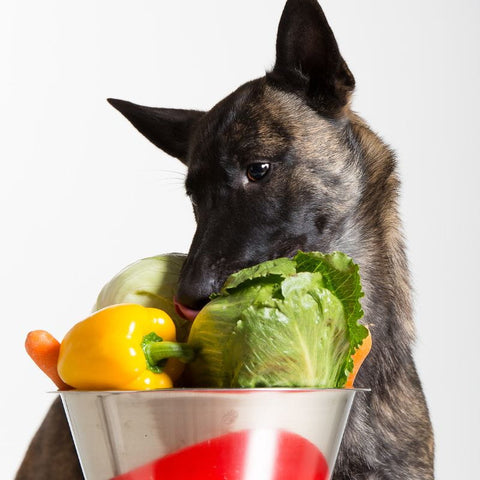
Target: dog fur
x,y
331,184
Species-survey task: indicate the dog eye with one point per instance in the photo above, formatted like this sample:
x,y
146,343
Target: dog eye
x,y
256,171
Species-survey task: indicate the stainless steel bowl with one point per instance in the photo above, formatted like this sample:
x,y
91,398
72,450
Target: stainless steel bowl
x,y
119,432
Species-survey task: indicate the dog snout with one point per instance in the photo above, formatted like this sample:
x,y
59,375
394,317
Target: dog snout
x,y
193,293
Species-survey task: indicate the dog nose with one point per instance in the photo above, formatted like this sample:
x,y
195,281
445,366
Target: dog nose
x,y
191,296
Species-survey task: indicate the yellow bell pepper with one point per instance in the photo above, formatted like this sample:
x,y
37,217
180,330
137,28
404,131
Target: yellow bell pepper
x,y
122,347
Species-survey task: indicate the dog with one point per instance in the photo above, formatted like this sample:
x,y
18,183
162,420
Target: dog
x,y
280,165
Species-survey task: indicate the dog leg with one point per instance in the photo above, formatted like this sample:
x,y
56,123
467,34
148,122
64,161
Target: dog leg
x,y
51,454
388,435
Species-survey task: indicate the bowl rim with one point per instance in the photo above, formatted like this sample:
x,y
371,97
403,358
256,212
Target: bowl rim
x,y
210,390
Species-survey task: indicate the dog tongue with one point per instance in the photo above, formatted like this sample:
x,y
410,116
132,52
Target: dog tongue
x,y
185,312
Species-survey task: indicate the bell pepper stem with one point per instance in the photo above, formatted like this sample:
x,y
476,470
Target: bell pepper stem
x,y
156,351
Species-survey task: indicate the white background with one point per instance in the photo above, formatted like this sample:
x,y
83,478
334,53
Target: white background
x,y
82,194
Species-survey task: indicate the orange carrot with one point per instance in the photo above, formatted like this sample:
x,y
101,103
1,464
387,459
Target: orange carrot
x,y
43,349
358,357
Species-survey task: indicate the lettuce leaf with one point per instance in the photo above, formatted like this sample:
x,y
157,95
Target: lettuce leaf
x,y
151,282
282,323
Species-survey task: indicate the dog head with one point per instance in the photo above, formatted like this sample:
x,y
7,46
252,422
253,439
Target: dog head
x,y
271,168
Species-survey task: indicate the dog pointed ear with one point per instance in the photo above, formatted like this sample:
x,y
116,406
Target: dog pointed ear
x,y
167,128
308,58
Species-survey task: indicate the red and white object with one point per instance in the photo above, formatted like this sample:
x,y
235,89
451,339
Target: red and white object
x,y
208,434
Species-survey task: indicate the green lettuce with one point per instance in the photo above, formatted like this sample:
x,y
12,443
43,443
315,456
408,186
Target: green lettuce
x,y
151,282
282,323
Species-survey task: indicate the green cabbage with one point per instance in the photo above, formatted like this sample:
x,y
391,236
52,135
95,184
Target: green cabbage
x,y
282,323
151,282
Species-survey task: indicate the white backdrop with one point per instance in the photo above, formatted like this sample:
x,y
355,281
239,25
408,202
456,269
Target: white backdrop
x,y
83,194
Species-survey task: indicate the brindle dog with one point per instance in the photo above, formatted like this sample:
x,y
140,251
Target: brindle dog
x,y
279,165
